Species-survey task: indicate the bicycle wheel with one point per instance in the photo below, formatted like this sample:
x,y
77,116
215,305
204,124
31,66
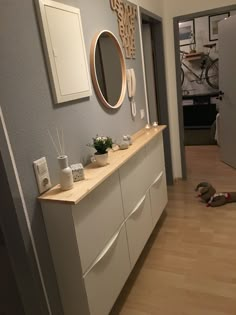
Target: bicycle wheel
x,y
212,74
182,76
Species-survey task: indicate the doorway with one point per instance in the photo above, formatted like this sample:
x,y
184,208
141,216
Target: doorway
x,y
17,287
10,300
154,64
177,20
24,286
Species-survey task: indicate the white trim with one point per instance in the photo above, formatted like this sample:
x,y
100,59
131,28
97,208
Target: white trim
x,y
2,121
143,64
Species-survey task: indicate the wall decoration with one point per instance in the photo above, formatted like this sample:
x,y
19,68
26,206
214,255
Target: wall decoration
x,y
126,15
187,33
213,24
108,74
64,47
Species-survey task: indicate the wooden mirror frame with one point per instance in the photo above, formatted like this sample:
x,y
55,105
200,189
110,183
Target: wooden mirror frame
x,y
94,74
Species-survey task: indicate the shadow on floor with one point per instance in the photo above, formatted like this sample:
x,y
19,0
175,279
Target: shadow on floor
x,y
137,268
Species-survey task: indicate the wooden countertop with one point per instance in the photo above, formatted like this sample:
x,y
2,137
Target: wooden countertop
x,y
94,175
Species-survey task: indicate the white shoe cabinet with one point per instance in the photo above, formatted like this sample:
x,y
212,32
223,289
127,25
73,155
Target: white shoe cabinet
x,y
98,230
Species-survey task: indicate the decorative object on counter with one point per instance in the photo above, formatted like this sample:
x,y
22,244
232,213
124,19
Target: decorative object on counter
x,y
65,175
128,139
115,147
126,15
154,124
123,145
147,126
77,172
101,144
125,142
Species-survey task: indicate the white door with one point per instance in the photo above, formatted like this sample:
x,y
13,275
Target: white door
x,y
227,53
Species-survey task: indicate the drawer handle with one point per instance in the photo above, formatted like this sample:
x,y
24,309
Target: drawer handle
x,y
157,179
105,250
137,207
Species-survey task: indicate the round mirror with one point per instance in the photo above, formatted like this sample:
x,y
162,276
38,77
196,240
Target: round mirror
x,y
108,69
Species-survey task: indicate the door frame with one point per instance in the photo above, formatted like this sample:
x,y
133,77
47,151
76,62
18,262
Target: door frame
x,y
176,21
156,25
20,244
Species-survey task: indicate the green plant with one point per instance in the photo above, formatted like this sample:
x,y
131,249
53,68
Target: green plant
x,y
101,144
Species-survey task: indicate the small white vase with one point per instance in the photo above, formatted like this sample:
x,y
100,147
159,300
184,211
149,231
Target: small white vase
x,y
66,177
101,159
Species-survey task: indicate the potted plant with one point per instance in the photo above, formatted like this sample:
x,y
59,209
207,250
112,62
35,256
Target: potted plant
x,y
101,144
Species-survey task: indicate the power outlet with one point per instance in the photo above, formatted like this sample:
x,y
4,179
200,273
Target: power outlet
x,y
142,113
42,175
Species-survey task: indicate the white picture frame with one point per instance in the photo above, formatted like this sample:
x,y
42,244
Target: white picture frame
x,y
187,33
213,24
63,42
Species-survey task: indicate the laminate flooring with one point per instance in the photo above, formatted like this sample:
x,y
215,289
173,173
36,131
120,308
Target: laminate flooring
x,y
188,266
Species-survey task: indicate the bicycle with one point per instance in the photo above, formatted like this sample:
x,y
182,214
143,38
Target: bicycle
x,y
209,68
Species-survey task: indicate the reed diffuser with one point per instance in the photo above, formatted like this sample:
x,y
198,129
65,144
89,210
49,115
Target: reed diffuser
x,y
65,175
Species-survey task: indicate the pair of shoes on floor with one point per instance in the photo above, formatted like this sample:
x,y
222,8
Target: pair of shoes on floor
x,y
208,194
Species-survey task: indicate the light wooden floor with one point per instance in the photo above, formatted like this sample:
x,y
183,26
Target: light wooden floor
x,y
189,265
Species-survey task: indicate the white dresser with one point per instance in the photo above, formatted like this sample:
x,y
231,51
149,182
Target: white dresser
x,y
98,229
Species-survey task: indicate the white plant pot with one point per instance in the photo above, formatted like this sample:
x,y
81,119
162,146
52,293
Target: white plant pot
x,y
101,159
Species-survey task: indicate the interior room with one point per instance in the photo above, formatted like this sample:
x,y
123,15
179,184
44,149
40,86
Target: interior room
x,y
199,57
98,211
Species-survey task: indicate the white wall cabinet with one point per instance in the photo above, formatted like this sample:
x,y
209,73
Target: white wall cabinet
x,y
134,181
139,228
157,191
96,242
105,280
63,42
96,218
158,196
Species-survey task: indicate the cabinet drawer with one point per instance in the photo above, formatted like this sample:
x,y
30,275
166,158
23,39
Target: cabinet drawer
x,y
108,275
139,228
96,218
158,196
134,181
155,158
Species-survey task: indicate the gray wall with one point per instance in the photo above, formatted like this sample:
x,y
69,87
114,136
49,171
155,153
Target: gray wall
x,y
29,111
149,71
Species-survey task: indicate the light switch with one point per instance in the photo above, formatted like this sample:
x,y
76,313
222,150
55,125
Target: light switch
x,y
42,175
42,167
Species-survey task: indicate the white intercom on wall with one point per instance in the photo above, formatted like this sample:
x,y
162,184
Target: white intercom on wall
x,y
131,85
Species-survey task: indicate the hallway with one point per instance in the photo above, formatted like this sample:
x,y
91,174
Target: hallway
x,y
188,265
